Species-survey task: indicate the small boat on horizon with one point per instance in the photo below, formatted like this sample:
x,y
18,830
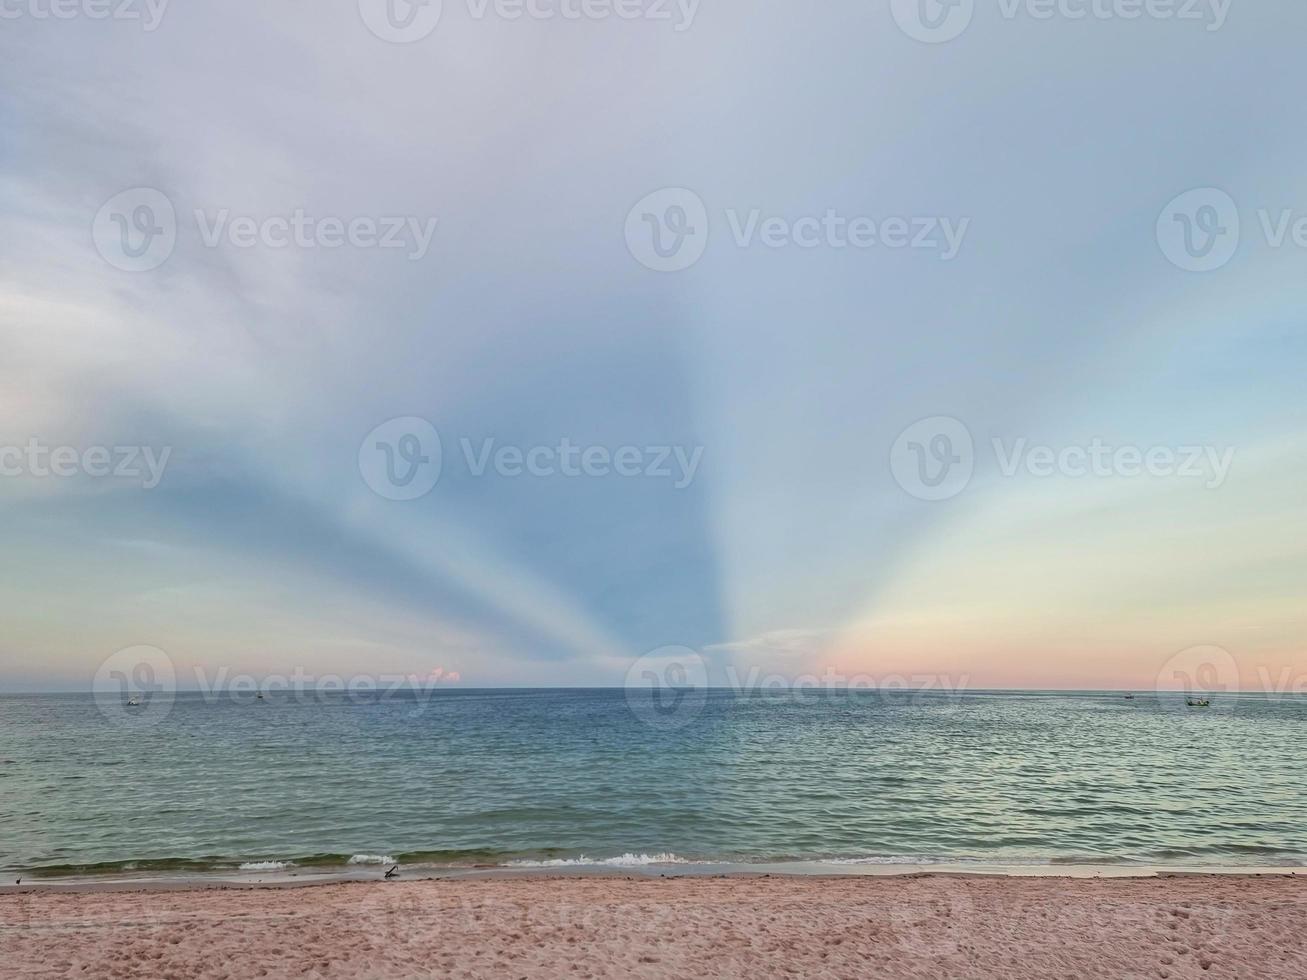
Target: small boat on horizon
x,y
1198,702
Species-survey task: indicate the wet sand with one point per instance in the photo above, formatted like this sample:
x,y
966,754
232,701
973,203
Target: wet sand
x,y
918,926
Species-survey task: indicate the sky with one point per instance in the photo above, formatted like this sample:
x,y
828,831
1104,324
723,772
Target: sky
x,y
960,344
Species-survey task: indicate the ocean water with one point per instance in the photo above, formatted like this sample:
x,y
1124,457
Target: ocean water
x,y
551,777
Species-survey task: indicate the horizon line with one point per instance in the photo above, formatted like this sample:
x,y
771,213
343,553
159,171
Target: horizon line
x,y
712,687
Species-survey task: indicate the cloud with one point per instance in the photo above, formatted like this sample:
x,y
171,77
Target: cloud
x,y
528,321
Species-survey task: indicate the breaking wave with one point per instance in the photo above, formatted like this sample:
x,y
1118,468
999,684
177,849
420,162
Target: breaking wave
x,y
627,860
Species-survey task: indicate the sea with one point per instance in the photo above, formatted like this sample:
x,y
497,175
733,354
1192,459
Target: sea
x,y
608,778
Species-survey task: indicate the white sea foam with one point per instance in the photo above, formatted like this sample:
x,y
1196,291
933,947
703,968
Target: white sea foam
x,y
886,859
922,859
372,859
627,860
263,866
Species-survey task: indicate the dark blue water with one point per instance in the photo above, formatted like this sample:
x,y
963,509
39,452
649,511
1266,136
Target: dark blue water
x,y
506,776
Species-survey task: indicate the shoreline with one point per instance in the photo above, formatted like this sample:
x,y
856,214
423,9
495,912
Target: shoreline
x,y
800,870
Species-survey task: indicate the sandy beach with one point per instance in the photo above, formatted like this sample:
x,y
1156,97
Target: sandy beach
x,y
926,926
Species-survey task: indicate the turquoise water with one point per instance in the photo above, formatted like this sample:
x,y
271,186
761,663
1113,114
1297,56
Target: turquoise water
x,y
531,776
